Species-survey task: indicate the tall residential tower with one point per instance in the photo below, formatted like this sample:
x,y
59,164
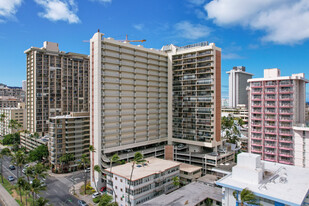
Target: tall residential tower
x,y
276,103
57,84
238,78
128,101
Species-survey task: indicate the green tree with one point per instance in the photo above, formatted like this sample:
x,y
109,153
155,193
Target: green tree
x,y
35,188
83,163
26,189
106,200
208,202
14,124
4,152
229,126
41,202
19,159
246,197
21,184
29,173
176,181
39,154
65,160
137,159
39,171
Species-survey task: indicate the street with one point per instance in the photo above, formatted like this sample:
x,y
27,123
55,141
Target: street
x,y
57,191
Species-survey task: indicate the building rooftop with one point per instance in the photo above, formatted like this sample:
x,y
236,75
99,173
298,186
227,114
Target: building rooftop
x,y
189,195
189,168
208,179
278,182
150,167
301,127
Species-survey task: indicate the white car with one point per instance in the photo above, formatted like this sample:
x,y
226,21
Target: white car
x,y
97,194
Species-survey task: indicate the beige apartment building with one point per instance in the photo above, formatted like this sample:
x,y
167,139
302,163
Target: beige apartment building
x,y
128,95
68,134
57,84
9,102
8,91
31,142
17,113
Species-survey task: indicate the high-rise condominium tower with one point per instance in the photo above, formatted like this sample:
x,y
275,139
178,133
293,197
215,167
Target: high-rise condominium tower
x,y
275,104
238,78
57,84
128,100
194,103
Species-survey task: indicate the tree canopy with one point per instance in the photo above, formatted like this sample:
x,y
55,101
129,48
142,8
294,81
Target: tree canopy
x,y
39,153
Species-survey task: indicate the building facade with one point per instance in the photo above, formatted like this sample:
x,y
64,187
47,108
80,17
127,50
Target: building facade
x,y
68,134
9,102
128,95
18,114
8,91
238,78
150,179
57,84
31,142
301,145
271,183
275,104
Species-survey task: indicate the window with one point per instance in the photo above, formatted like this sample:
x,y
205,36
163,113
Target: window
x,y
120,180
115,178
121,189
116,187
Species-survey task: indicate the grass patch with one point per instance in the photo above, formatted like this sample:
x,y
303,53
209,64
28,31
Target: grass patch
x,y
15,193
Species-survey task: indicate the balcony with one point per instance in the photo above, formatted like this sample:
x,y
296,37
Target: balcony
x,y
256,105
270,91
270,146
287,162
270,84
285,154
270,125
286,111
256,151
273,132
285,119
285,126
286,91
286,105
270,159
270,111
286,140
271,152
256,85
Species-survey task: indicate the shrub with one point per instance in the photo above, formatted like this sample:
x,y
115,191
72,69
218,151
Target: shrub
x,y
96,200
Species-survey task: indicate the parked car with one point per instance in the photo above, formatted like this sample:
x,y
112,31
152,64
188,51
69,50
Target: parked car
x,y
24,171
97,194
26,165
12,167
82,203
11,178
88,169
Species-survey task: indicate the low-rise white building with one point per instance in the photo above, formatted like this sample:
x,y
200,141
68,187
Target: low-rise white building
x,y
149,180
301,145
272,183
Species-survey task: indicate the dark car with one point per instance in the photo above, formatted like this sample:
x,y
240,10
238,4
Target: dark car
x,y
12,167
81,203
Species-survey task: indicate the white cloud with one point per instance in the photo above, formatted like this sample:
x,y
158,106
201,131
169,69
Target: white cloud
x,y
284,21
59,10
138,26
8,9
192,31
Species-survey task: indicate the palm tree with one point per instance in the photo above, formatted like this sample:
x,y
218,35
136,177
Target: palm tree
x,y
36,187
83,162
41,202
246,198
91,148
21,184
14,124
65,159
114,159
4,152
26,188
138,158
19,159
97,169
29,172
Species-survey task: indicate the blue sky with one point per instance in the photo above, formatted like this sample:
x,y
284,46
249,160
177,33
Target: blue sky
x,y
254,33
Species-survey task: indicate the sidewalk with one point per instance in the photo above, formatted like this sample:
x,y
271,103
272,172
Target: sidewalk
x,y
86,198
6,199
50,173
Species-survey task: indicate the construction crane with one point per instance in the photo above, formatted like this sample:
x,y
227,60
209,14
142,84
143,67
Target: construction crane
x,y
126,40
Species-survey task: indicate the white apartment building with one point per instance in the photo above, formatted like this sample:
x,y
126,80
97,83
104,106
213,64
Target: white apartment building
x,y
68,134
272,183
238,78
57,84
128,101
17,113
150,179
301,145
276,103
